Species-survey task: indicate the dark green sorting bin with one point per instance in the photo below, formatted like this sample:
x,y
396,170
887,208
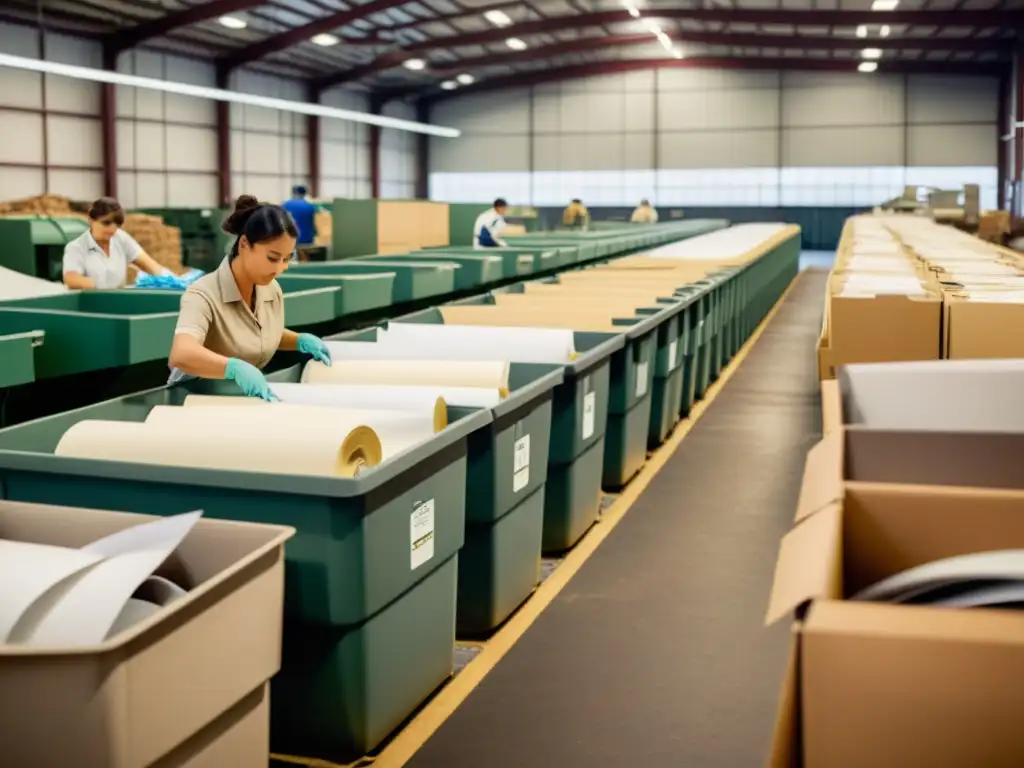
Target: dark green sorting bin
x,y
414,281
579,422
17,358
355,294
369,620
519,261
499,565
34,245
475,270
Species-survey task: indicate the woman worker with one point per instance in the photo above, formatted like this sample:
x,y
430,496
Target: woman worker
x,y
100,256
232,320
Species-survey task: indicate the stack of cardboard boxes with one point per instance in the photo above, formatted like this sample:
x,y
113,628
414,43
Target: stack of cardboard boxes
x,y
919,462
905,288
157,239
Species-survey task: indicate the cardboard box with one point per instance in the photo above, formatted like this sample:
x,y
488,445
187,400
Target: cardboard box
x,y
184,688
831,407
862,454
889,686
977,330
879,329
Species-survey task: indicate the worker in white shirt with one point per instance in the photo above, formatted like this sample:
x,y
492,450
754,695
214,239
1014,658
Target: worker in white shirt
x,y
99,258
489,226
645,213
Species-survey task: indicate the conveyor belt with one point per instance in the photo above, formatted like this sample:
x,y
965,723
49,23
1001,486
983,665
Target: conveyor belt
x,y
655,654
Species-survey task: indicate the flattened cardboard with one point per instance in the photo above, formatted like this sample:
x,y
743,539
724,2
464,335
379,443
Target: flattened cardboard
x,y
130,701
809,564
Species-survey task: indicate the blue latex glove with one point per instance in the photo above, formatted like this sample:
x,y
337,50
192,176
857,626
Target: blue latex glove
x,y
249,379
310,345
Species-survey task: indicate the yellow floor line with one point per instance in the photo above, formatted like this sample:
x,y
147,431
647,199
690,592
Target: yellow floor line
x,y
422,727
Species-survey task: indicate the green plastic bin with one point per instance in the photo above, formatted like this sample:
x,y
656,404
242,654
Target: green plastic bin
x,y
499,565
356,294
17,353
475,271
518,262
369,621
414,281
579,424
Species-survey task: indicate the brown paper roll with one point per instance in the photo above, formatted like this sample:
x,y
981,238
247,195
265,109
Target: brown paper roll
x,y
451,373
438,410
267,447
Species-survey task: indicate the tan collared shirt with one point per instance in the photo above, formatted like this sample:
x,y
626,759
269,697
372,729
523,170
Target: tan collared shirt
x,y
214,313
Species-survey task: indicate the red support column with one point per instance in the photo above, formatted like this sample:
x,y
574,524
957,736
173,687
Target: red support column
x,y
108,126
1017,131
313,144
375,106
422,152
1003,147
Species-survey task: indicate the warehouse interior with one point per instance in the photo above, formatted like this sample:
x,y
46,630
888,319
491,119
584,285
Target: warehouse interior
x,y
464,383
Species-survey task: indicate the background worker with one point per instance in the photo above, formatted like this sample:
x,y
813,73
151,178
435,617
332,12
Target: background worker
x,y
303,213
576,214
645,213
99,257
231,321
489,225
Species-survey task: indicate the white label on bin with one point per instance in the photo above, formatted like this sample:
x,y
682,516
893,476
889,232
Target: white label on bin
x,y
672,349
521,464
421,533
589,407
641,379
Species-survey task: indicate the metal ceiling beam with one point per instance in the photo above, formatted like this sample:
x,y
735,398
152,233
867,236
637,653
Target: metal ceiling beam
x,y
576,72
1007,19
722,39
140,33
327,24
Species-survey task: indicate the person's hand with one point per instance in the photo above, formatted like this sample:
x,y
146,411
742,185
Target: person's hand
x,y
249,379
311,345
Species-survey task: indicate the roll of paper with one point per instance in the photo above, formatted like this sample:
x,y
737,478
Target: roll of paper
x,y
487,374
518,345
597,319
324,449
418,401
396,430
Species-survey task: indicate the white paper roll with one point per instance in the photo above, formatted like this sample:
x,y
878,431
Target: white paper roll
x,y
461,342
486,374
328,449
396,430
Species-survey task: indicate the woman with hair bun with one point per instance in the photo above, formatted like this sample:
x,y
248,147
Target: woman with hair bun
x,y
99,257
232,320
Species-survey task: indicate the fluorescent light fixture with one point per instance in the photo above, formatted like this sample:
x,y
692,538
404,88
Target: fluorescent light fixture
x,y
665,40
221,94
884,5
233,22
654,27
414,64
515,44
325,39
498,18
862,31
678,54
867,66
466,79
884,31
634,12
871,53
449,85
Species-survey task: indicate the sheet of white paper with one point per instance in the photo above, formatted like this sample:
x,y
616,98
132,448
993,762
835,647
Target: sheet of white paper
x,y
85,614
15,285
28,571
134,612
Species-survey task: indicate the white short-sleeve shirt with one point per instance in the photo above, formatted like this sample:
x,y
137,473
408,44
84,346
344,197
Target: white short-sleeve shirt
x,y
84,256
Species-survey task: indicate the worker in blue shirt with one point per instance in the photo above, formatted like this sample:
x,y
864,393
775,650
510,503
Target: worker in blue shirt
x,y
304,214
